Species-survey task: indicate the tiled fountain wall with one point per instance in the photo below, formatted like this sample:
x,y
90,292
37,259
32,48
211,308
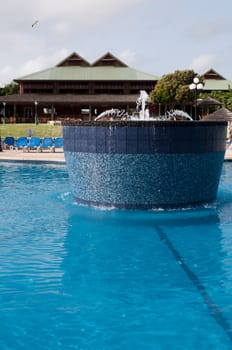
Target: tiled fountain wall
x,y
144,164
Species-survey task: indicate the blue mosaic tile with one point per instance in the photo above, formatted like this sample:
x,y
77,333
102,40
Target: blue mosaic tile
x,y
145,139
144,166
145,181
100,140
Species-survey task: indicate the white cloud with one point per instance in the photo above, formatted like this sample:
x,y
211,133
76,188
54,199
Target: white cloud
x,y
6,74
60,15
211,29
43,62
62,27
203,62
128,56
78,9
33,65
9,73
80,12
133,30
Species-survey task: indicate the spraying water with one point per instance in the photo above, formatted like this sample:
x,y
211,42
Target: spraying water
x,y
142,112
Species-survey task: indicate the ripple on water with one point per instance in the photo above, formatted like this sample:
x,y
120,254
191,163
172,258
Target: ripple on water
x,y
74,277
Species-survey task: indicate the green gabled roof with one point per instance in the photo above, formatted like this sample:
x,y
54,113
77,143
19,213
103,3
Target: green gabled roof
x,y
76,68
89,73
215,84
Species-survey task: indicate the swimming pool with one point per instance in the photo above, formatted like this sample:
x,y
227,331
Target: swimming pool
x,y
74,277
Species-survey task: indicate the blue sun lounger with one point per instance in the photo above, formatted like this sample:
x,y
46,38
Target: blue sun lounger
x,y
33,144
21,142
58,143
46,144
9,142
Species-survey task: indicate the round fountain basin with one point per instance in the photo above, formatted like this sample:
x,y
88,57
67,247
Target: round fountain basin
x,y
144,164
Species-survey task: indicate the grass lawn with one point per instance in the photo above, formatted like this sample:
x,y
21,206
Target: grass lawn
x,y
40,130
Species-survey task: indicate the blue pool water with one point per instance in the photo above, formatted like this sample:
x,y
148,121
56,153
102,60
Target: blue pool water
x,y
74,277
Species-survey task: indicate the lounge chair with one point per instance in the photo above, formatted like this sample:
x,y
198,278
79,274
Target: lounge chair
x,y
58,143
21,142
33,144
46,144
9,142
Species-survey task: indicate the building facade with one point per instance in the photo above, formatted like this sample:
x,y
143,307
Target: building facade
x,y
76,89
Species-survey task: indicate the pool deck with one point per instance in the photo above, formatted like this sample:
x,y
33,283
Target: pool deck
x,y
32,156
228,154
51,157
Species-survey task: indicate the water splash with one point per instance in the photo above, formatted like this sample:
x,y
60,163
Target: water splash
x,y
142,112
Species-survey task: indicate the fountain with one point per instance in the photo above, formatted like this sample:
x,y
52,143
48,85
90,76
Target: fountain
x,y
142,113
138,162
141,105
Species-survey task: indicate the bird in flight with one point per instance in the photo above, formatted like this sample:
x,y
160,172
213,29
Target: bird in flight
x,y
34,24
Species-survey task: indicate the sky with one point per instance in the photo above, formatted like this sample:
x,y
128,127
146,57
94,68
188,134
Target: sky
x,y
153,36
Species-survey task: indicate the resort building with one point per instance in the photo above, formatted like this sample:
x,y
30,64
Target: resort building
x,y
76,89
214,81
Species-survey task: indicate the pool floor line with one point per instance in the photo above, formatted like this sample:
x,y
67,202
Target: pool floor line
x,y
214,310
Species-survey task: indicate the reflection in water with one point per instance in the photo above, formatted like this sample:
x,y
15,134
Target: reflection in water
x,y
225,215
79,277
130,284
122,271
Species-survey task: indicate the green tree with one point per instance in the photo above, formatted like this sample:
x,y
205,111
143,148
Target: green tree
x,y
225,97
173,89
10,89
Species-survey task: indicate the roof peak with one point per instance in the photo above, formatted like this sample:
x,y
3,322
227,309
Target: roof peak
x,y
212,74
107,60
73,60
